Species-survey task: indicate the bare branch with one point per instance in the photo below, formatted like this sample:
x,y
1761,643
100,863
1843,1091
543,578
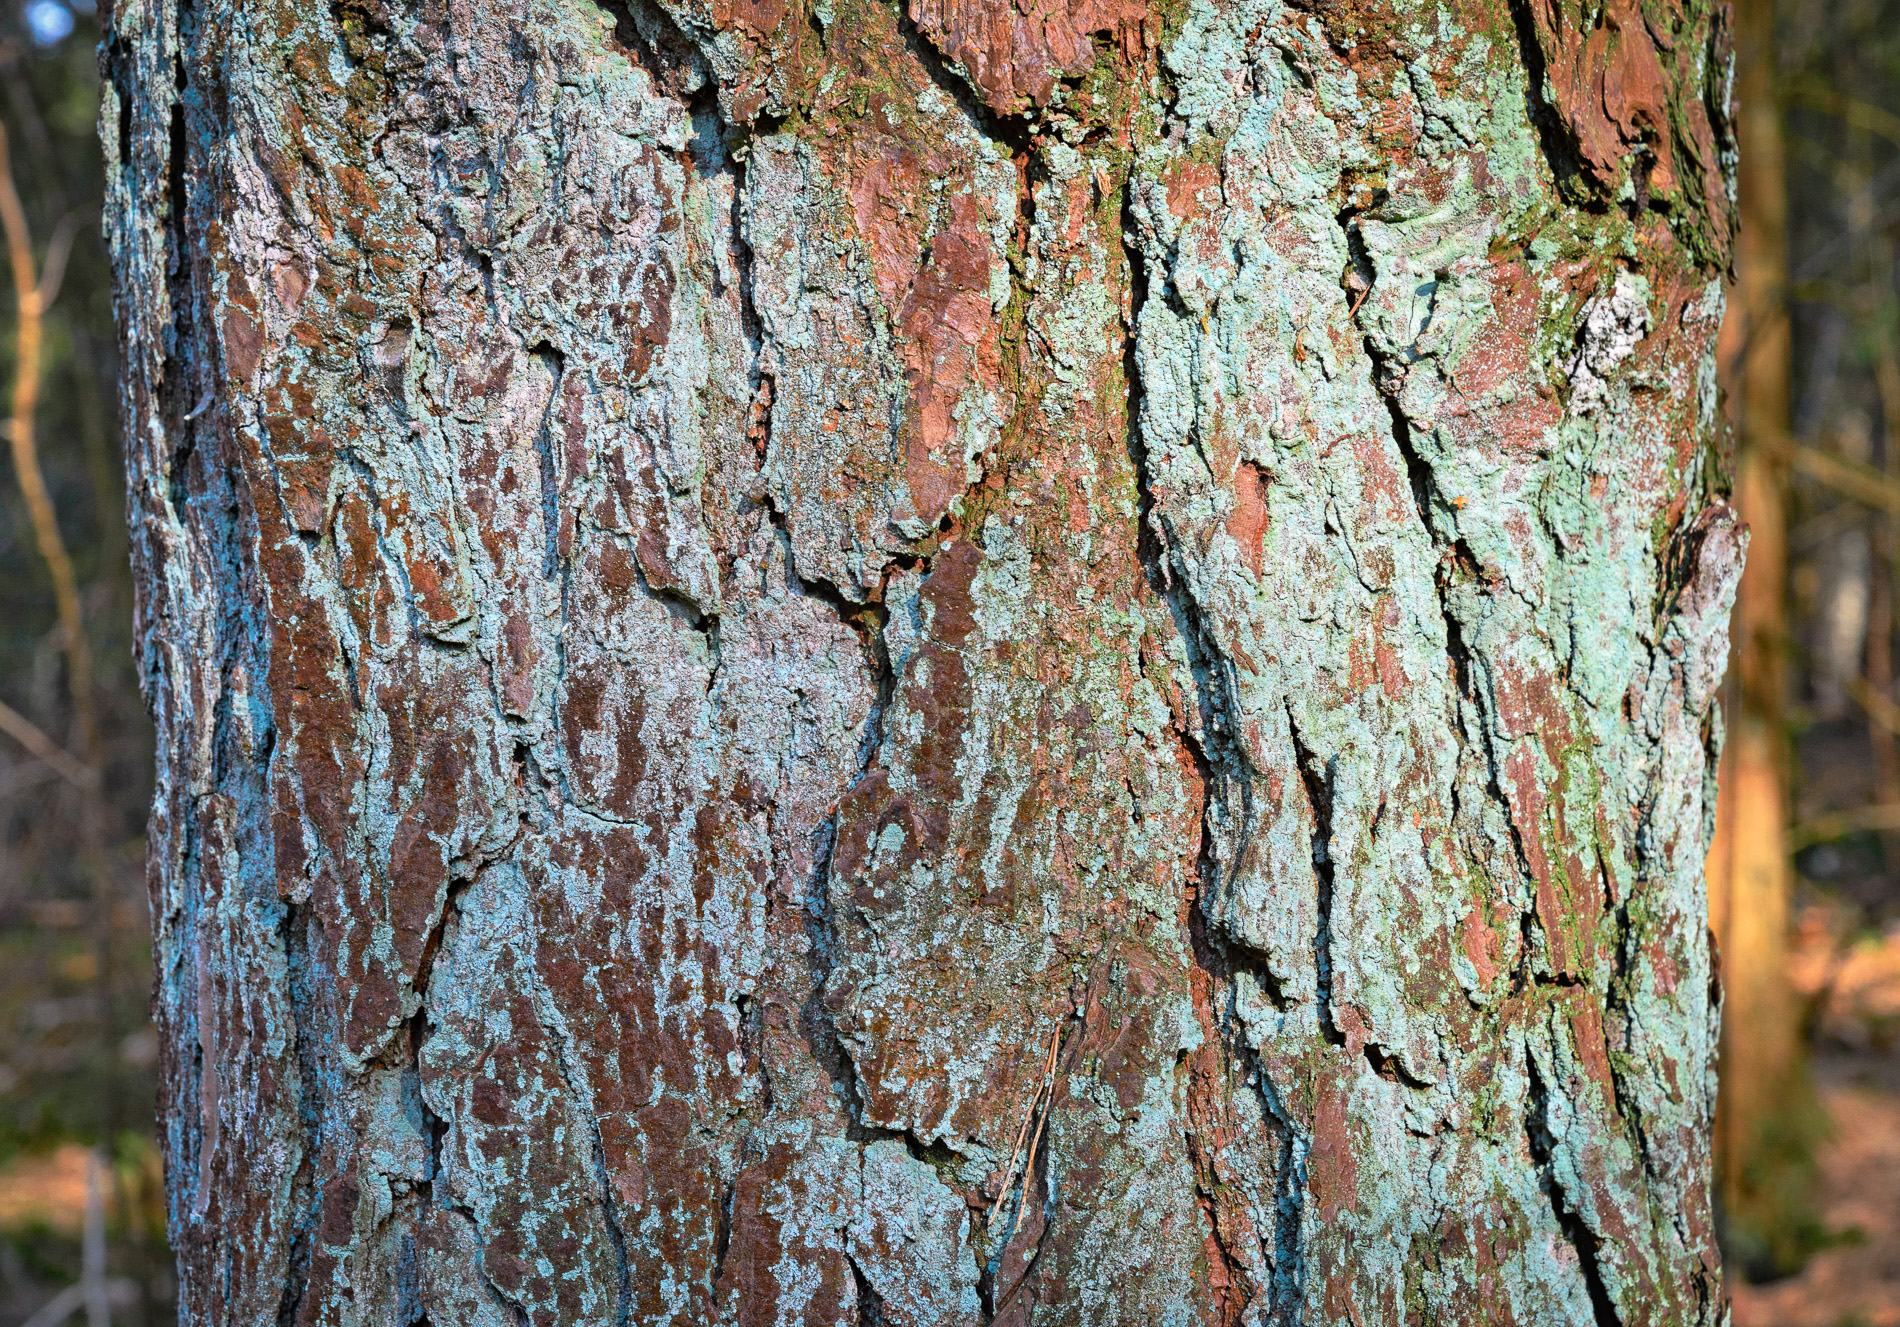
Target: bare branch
x,y
28,345
29,735
1851,479
57,252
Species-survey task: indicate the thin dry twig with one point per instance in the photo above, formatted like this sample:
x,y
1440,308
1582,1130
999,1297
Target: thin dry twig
x,y
1851,479
1016,1149
1029,1166
53,267
1885,720
1879,708
28,349
1880,817
29,735
92,1273
1813,93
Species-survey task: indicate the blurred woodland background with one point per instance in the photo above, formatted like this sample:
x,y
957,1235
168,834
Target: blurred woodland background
x,y
77,1051
1804,877
1804,874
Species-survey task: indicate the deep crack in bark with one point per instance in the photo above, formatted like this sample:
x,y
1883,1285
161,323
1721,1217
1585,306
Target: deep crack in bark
x,y
1316,778
581,1098
1388,379
1579,1235
870,1303
1554,136
1221,764
310,1115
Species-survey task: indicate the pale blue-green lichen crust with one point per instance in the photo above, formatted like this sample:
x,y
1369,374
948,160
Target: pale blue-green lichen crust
x,y
815,665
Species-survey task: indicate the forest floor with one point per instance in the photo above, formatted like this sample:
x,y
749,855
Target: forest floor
x,y
1852,977
1856,1281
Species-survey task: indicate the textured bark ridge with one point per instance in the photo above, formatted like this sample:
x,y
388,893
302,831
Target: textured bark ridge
x,y
979,662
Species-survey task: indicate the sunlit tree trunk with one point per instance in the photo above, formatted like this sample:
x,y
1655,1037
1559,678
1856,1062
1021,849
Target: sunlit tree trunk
x,y
1768,1112
969,663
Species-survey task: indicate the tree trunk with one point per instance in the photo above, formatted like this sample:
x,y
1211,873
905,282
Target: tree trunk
x,y
978,663
1769,1117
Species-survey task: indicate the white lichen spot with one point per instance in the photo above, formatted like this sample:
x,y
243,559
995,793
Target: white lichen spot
x,y
1612,326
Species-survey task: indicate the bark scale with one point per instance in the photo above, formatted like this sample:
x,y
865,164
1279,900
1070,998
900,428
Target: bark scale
x,y
972,663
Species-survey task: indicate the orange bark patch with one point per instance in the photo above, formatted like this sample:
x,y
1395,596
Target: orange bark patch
x,y
1613,76
1481,946
1248,521
1014,50
1332,1167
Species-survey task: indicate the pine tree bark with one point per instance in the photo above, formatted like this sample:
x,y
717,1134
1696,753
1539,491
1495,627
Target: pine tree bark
x,y
971,662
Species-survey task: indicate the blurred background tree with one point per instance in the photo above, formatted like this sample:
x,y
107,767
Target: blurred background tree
x,y
76,1049
1805,871
1768,1122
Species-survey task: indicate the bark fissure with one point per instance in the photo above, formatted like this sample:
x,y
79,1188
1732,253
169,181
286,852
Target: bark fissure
x,y
1577,1231
311,1116
652,36
870,1304
1014,132
1616,997
820,1032
1553,135
722,1234
554,566
581,1101
1388,378
1035,1179
1240,1290
1525,971
815,1022
1316,780
175,387
1225,766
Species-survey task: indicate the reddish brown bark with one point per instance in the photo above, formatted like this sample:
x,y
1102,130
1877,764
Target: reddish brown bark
x,y
832,663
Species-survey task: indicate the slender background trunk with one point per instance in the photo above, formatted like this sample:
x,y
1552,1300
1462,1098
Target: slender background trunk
x,y
1769,1116
975,662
